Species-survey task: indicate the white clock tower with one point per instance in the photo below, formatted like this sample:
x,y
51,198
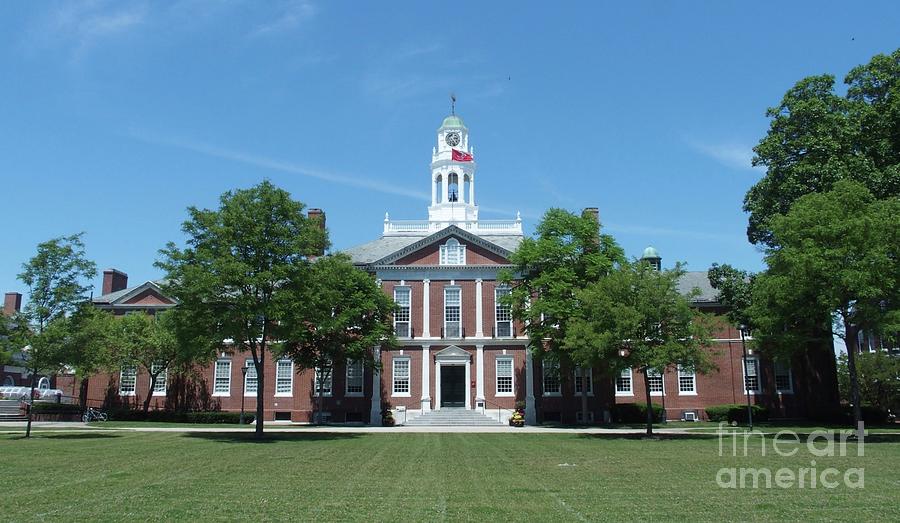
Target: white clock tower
x,y
452,181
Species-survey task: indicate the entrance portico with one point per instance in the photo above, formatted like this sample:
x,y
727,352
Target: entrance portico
x,y
452,376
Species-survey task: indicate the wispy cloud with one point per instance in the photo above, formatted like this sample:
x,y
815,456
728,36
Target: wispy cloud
x,y
263,162
290,16
642,230
82,25
735,156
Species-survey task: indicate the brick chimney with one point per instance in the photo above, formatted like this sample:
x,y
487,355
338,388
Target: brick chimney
x,y
114,280
319,216
593,212
12,303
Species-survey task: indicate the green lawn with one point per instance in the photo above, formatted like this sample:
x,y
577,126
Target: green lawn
x,y
414,477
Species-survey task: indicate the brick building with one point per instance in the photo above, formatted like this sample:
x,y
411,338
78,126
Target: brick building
x,y
458,348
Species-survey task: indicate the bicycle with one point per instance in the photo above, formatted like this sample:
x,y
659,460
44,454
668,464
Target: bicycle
x,y
92,414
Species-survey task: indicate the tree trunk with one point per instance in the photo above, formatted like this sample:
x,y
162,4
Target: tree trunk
x,y
649,404
850,332
31,402
584,398
83,392
150,392
260,395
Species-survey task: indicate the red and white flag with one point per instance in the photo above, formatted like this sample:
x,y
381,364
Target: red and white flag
x,y
462,156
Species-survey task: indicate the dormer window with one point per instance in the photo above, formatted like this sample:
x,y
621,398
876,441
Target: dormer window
x,y
452,253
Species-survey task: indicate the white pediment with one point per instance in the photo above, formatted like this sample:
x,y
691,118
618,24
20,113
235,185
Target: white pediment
x,y
452,353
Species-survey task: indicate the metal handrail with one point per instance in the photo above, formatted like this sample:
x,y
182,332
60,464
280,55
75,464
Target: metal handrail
x,y
499,408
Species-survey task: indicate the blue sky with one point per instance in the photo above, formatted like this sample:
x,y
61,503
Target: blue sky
x,y
117,116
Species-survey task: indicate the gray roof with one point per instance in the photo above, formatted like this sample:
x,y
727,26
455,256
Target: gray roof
x,y
118,295
386,245
699,280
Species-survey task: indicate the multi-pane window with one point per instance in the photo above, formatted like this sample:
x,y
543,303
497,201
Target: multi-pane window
x,y
751,374
159,388
401,315
452,253
502,313
251,383
623,382
323,380
222,378
127,380
584,376
551,377
354,377
687,381
504,376
655,379
783,381
284,377
452,323
401,377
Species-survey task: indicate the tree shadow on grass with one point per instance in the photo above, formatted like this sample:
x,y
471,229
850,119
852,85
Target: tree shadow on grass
x,y
655,436
270,437
684,436
76,435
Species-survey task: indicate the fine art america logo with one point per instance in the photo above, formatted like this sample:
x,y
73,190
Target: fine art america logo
x,y
789,444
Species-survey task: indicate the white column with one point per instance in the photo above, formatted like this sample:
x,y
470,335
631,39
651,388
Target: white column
x,y
426,378
445,186
472,189
375,413
530,414
433,189
426,302
479,378
479,310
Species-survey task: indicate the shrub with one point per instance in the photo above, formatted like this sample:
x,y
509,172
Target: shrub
x,y
870,414
634,413
166,416
735,412
56,408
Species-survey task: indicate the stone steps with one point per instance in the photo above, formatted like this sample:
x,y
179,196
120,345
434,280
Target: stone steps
x,y
451,417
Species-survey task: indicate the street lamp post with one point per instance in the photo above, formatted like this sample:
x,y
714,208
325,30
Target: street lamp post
x,y
243,384
744,329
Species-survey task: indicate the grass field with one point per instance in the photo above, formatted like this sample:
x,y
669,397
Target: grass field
x,y
414,477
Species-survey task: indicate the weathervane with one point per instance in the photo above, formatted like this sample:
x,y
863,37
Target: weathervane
x,y
453,104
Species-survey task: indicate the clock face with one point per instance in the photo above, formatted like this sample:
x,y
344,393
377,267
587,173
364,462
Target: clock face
x,y
452,139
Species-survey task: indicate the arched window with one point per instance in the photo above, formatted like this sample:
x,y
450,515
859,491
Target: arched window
x,y
467,189
9,381
452,187
452,253
438,186
44,383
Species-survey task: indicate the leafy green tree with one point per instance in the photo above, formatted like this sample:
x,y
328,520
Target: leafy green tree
x,y
90,345
232,277
735,288
6,344
635,317
57,279
344,314
149,343
836,260
818,137
879,379
566,254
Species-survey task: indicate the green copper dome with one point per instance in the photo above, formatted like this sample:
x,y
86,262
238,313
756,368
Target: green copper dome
x,y
453,121
650,252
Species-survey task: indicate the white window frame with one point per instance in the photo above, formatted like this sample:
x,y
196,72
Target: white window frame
x,y
453,253
745,377
216,391
131,378
356,365
653,373
162,379
790,377
505,310
682,373
395,381
549,368
458,291
512,376
281,381
328,385
626,373
248,377
407,311
577,374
